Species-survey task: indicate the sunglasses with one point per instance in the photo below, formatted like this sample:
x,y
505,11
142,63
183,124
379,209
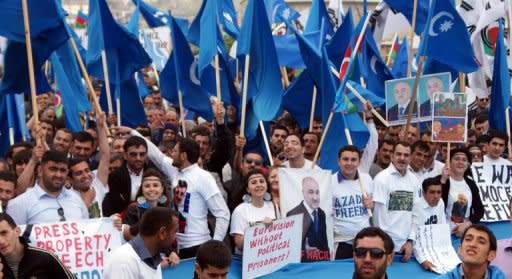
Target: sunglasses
x,y
60,211
256,162
375,253
135,154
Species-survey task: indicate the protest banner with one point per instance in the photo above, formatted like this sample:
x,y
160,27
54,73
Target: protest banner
x,y
449,119
268,248
82,246
157,42
309,194
433,243
494,182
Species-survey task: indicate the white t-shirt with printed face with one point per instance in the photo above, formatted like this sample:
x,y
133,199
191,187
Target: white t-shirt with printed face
x,y
349,213
247,215
460,199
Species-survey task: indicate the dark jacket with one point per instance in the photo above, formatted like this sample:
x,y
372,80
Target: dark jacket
x,y
477,208
36,263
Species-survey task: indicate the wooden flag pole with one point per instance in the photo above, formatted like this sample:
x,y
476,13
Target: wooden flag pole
x,y
118,111
412,103
448,154
30,60
411,35
244,94
322,139
182,113
348,136
284,75
265,140
388,59
107,81
313,103
365,194
88,83
364,102
217,77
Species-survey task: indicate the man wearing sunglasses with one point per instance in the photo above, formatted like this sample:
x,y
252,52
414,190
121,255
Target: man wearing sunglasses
x,y
373,252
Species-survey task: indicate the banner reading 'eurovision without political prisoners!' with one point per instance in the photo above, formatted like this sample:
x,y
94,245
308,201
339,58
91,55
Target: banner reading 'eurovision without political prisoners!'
x,y
83,246
268,248
494,185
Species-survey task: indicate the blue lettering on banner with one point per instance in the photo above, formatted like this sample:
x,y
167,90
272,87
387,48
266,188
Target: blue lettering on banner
x,y
349,206
89,274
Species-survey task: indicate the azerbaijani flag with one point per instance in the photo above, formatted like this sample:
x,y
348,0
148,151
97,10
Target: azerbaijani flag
x,y
394,49
81,20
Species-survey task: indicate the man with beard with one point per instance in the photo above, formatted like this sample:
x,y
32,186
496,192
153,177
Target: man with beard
x,y
48,202
373,252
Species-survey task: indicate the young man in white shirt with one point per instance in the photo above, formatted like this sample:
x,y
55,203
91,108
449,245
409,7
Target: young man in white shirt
x,y
396,189
429,210
349,203
496,147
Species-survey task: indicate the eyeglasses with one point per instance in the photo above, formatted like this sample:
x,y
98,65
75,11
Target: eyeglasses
x,y
476,154
135,154
60,211
375,253
258,163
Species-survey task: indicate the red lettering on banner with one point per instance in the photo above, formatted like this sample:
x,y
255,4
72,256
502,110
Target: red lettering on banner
x,y
88,245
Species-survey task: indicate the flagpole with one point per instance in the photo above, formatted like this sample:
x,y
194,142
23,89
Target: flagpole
x,y
411,35
322,139
88,83
107,81
182,113
412,103
11,135
217,76
244,94
364,102
32,81
265,140
313,103
118,112
365,194
388,59
284,74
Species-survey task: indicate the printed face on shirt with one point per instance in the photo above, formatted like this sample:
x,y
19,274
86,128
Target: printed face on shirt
x,y
348,163
311,192
368,267
81,176
53,176
9,242
433,195
475,248
496,148
401,157
402,93
211,272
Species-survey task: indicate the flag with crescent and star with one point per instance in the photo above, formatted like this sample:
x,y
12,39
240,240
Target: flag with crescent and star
x,y
446,38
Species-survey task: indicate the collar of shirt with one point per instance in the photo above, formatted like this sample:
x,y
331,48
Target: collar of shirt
x,y
420,172
341,177
393,170
130,172
309,209
486,275
40,192
142,251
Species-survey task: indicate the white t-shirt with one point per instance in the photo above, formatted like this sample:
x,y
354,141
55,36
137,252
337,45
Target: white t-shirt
x,y
394,196
307,165
460,199
247,215
125,263
349,213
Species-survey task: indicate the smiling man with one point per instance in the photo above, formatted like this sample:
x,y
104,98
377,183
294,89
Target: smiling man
x,y
477,249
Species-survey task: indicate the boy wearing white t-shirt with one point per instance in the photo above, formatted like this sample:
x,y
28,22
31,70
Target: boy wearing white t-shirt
x,y
429,210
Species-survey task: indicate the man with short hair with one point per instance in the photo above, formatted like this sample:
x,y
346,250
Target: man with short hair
x,y
20,260
373,253
481,124
48,202
419,156
7,187
477,249
294,152
83,147
496,147
140,257
311,141
63,140
350,205
383,157
277,138
212,260
48,128
396,189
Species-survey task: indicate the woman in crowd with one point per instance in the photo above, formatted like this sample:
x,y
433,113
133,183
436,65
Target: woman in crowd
x,y
273,178
256,208
460,193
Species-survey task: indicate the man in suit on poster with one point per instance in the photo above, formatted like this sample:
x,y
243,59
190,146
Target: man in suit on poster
x,y
315,246
402,92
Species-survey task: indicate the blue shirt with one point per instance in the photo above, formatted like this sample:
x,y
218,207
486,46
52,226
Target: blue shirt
x,y
37,206
456,273
142,251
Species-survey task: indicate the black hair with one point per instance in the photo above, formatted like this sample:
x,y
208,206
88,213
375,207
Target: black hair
x,y
213,253
389,246
483,228
75,161
134,141
498,134
421,145
402,143
460,150
155,218
429,182
9,177
189,147
7,218
83,137
54,156
351,148
22,157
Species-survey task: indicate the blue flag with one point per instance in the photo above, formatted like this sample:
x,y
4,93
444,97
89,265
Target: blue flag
x,y
444,30
74,96
133,24
158,56
264,85
78,43
374,69
500,95
152,15
298,97
47,32
132,109
406,8
399,69
180,73
125,54
370,96
341,39
277,9
224,14
317,18
288,51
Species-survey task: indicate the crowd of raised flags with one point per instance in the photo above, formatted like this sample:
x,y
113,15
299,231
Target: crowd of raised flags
x,y
313,71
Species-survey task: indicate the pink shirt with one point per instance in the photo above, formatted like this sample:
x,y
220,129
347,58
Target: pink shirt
x,y
504,257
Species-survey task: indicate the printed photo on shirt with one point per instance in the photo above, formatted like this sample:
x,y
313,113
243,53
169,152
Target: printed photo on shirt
x,y
400,201
459,208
